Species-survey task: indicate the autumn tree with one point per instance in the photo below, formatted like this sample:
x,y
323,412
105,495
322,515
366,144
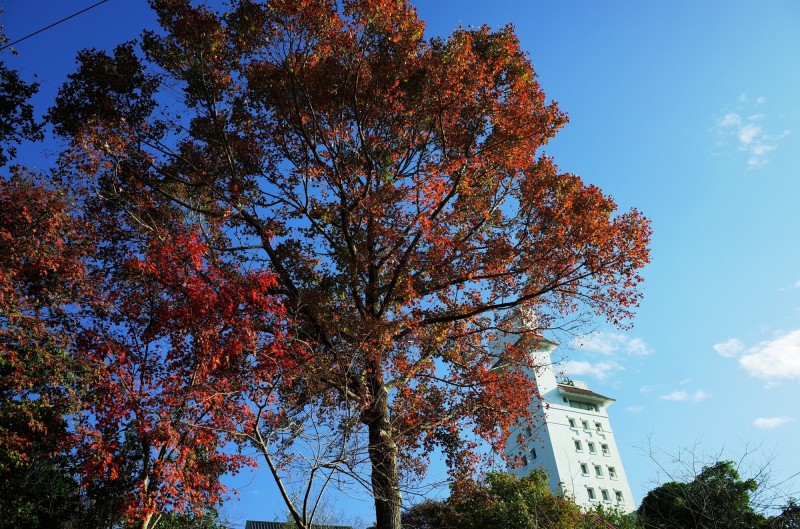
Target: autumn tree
x,y
395,187
123,355
39,273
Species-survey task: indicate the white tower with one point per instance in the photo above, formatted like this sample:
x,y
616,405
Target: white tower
x,y
571,439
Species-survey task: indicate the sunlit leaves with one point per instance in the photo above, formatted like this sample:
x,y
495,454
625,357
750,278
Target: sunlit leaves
x,y
392,186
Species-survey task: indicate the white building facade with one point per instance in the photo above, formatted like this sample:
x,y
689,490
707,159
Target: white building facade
x,y
571,439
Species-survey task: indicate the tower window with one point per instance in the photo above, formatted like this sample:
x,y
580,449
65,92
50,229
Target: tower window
x,y
606,497
620,498
612,472
533,453
598,427
590,492
581,405
578,446
585,425
584,469
605,449
572,423
591,448
598,470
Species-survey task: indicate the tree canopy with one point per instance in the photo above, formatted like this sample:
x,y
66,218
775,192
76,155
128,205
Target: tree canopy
x,y
505,500
305,216
717,498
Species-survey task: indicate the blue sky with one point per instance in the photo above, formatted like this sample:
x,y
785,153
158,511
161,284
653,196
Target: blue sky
x,y
688,111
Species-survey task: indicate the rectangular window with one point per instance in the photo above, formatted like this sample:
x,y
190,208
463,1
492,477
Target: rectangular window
x,y
598,427
533,453
620,498
605,450
606,497
612,472
590,492
581,405
578,446
584,469
572,423
585,425
598,470
528,431
524,461
591,448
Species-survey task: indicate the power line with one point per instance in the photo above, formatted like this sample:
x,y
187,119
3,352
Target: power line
x,y
53,24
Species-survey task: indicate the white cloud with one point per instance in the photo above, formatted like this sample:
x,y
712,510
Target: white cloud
x,y
685,396
606,343
761,150
634,409
770,423
730,120
638,347
610,343
729,348
600,370
749,133
774,359
756,140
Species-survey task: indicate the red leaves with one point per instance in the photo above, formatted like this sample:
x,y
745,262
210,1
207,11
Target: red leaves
x,y
182,346
389,189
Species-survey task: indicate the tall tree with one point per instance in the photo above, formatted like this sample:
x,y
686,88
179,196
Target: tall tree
x,y
394,186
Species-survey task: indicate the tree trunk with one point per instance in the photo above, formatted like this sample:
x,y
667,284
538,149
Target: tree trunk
x,y
383,456
144,523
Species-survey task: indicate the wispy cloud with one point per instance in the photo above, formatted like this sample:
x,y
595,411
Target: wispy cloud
x,y
686,396
729,348
634,409
610,343
770,423
749,131
599,370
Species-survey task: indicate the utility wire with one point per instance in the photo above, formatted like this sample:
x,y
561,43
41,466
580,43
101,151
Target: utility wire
x,y
53,24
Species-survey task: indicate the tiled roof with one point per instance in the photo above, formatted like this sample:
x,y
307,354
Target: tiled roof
x,y
253,524
583,392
